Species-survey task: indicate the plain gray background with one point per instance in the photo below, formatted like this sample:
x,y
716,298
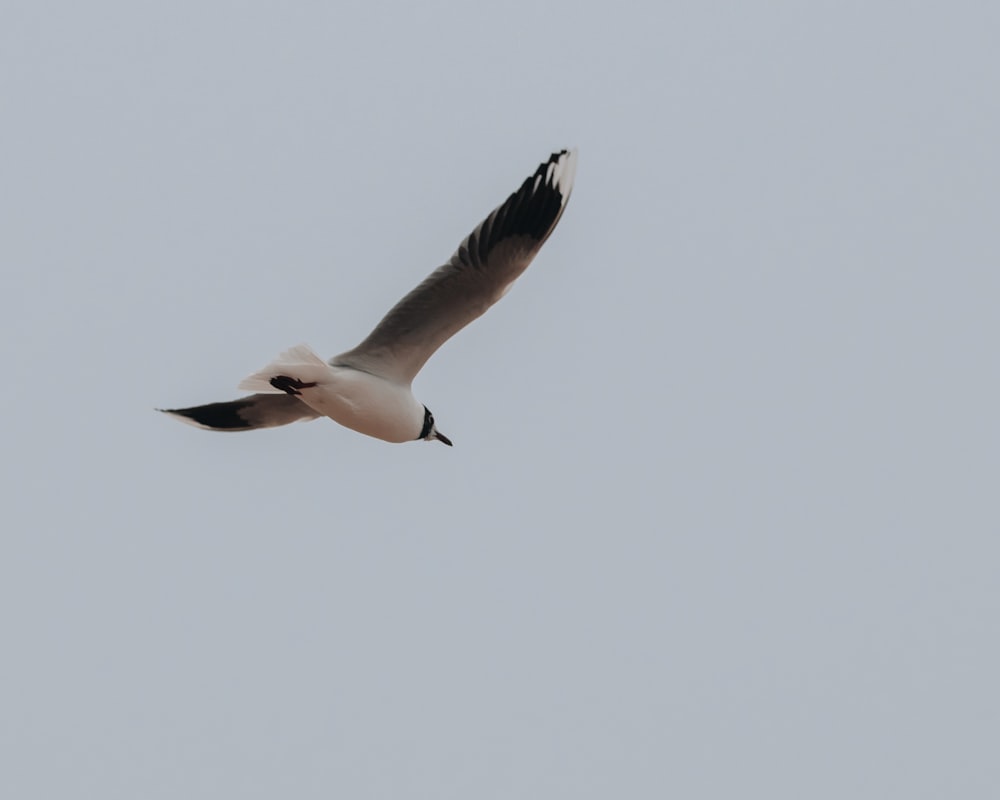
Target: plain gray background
x,y
721,516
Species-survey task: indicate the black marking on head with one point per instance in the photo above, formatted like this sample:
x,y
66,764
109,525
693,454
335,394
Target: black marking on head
x,y
428,424
530,211
290,385
220,416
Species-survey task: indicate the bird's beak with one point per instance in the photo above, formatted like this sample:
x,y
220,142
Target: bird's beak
x,y
442,438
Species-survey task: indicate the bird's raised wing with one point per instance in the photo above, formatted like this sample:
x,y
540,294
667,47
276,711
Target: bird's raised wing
x,y
480,273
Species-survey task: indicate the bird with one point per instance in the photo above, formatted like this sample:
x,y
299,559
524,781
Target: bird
x,y
368,388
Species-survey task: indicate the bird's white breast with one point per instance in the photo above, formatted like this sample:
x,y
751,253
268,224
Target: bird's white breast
x,y
367,404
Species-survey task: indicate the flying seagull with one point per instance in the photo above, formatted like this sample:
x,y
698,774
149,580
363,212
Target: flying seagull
x,y
367,389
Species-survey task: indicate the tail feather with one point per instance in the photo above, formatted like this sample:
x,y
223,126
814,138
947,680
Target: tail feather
x,y
299,363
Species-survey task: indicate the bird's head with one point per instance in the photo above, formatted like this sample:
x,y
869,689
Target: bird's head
x,y
429,432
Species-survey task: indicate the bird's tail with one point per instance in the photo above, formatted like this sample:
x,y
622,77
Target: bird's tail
x,y
292,371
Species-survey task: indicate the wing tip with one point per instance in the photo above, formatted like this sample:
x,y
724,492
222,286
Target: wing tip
x,y
179,415
211,417
561,171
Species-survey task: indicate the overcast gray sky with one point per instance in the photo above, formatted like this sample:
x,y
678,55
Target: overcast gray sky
x,y
721,518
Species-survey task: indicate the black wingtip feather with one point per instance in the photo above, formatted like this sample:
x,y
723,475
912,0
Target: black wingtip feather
x,y
530,211
217,416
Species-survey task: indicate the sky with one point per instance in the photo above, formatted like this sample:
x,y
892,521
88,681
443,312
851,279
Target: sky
x,y
721,518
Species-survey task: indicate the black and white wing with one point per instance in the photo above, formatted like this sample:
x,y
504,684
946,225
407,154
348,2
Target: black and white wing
x,y
246,414
479,273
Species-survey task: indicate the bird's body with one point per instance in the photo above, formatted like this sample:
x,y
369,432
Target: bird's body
x,y
367,389
362,401
368,404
